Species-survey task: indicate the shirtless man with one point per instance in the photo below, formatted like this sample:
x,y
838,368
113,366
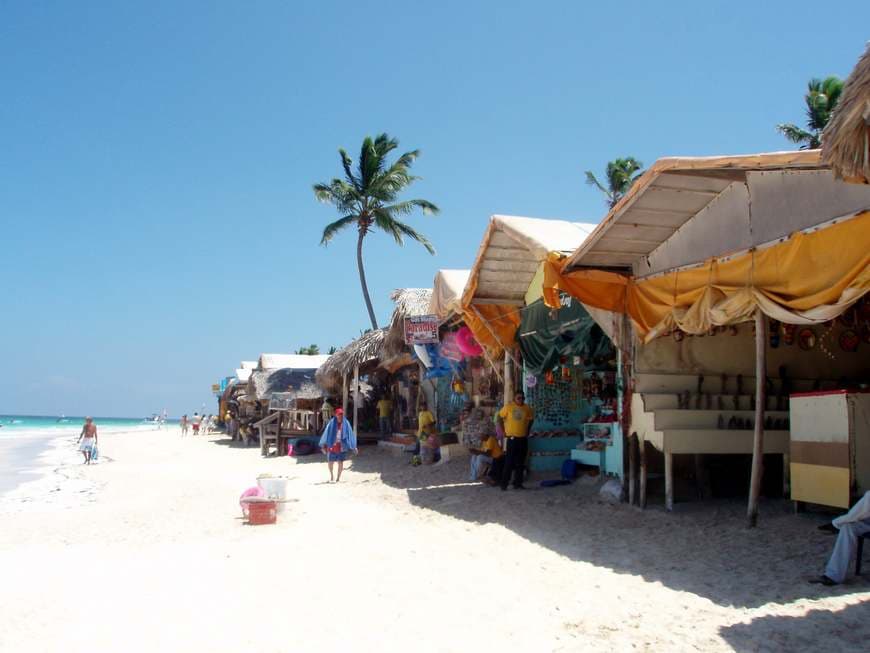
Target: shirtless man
x,y
88,439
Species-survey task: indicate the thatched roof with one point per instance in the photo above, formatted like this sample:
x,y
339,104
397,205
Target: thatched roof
x,y
368,347
846,139
302,383
291,361
409,302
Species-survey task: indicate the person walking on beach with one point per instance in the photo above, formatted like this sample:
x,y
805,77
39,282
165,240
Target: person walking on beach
x,y
197,420
516,420
88,439
337,440
185,425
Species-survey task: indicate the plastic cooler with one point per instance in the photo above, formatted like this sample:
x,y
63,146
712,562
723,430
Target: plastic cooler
x,y
275,488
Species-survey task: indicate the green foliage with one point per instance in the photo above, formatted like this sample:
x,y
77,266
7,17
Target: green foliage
x,y
367,197
820,101
310,350
620,175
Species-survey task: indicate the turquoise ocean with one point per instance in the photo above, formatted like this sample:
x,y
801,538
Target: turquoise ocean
x,y
23,438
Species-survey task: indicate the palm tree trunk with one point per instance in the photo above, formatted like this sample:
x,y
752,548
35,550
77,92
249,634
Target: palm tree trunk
x,y
362,279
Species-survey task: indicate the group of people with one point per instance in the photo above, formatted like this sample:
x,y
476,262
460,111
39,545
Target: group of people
x,y
204,424
500,458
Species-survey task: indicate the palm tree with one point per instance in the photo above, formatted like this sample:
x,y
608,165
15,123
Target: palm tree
x,y
311,350
621,174
366,198
821,98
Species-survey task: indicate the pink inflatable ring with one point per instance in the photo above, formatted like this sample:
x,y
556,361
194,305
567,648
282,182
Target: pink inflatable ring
x,y
466,342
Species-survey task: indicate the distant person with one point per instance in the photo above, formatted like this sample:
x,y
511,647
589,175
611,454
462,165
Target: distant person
x,y
185,425
206,425
515,419
852,525
427,435
385,411
337,441
88,440
197,420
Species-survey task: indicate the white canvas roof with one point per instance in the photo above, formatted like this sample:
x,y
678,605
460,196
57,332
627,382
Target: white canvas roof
x,y
511,252
249,365
670,194
243,374
447,292
291,361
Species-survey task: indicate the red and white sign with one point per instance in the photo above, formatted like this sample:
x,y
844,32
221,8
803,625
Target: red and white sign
x,y
421,329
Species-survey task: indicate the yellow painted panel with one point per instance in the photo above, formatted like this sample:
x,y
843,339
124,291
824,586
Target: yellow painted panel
x,y
536,287
828,486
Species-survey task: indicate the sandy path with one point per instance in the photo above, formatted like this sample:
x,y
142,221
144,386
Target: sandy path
x,y
147,552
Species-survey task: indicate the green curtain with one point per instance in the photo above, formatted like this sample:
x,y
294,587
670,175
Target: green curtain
x,y
546,335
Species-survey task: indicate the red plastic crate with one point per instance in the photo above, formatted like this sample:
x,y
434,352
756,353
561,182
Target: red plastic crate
x,y
262,512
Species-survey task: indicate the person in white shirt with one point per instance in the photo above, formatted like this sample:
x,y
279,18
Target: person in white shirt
x,y
854,523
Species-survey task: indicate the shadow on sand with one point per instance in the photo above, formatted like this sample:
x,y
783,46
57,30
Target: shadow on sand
x,y
702,547
846,630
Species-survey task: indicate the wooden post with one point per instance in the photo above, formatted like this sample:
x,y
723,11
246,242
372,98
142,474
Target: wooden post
x,y
669,481
758,440
786,474
508,379
632,467
356,399
344,393
643,460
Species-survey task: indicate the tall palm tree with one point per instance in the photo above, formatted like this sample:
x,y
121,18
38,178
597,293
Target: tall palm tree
x,y
621,174
821,97
366,198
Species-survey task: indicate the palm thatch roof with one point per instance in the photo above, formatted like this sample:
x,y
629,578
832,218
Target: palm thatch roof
x,y
409,302
291,361
368,347
301,383
846,139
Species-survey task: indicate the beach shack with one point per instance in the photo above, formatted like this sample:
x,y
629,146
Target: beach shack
x,y
742,279
561,357
287,397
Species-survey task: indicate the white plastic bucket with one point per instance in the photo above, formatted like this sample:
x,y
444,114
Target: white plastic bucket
x,y
275,488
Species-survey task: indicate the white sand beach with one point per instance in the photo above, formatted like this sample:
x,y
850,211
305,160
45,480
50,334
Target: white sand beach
x,y
147,551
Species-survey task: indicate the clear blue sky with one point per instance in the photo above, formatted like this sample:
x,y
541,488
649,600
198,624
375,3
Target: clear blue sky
x,y
156,159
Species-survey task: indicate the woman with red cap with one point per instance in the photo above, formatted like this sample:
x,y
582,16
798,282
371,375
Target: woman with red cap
x,y
337,440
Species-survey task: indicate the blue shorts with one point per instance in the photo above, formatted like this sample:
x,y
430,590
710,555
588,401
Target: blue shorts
x,y
336,457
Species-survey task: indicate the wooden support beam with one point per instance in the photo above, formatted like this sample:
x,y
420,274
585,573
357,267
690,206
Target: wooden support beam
x,y
344,393
508,379
632,467
669,481
760,400
356,398
643,473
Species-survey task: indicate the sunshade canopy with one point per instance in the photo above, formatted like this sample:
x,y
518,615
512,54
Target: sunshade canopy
x,y
667,196
447,292
291,361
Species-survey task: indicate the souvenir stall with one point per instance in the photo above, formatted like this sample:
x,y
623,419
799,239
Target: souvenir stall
x,y
570,379
731,270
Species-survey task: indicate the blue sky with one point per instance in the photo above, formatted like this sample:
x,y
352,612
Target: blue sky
x,y
156,159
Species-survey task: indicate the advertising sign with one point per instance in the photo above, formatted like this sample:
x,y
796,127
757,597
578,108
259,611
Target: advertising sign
x,y
421,329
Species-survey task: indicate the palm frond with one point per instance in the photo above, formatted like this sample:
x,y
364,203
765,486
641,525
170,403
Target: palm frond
x,y
406,208
347,164
592,180
412,233
794,133
333,228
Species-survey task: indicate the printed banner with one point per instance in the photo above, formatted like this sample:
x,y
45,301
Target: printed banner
x,y
421,329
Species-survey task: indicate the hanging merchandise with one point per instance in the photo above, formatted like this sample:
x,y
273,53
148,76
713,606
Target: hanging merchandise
x,y
807,339
678,335
566,373
531,380
450,348
774,334
849,340
423,355
789,333
548,377
466,342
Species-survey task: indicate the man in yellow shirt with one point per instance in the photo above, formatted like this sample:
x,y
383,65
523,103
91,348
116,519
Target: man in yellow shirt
x,y
489,453
516,419
427,434
385,410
